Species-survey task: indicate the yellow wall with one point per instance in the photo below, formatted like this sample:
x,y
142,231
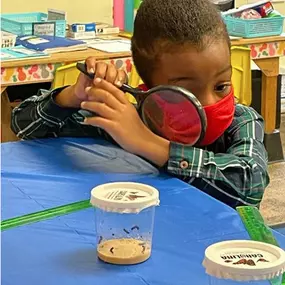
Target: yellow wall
x,y
79,10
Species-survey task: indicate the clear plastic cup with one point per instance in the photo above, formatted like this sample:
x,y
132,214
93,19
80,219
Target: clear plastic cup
x,y
124,221
244,262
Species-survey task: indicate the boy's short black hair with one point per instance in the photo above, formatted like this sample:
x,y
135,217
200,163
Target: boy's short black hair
x,y
166,25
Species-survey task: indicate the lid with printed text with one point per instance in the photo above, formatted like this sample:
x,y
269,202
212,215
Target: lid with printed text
x,y
244,260
124,197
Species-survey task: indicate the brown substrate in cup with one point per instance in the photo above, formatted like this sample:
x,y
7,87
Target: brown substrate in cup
x,y
123,251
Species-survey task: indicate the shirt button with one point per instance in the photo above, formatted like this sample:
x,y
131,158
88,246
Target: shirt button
x,y
184,164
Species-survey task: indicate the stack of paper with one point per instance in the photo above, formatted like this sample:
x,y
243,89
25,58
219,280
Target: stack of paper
x,y
112,46
20,53
50,44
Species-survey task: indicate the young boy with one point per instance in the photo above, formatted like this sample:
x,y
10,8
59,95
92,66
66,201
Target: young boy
x,y
182,43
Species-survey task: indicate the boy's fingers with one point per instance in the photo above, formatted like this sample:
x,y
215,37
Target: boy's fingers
x,y
111,88
100,122
91,64
111,73
103,96
106,71
101,70
100,109
121,78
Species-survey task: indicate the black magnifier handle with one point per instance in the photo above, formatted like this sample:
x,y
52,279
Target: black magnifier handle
x,y
82,68
125,88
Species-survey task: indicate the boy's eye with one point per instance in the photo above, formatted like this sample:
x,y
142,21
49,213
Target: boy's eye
x,y
223,88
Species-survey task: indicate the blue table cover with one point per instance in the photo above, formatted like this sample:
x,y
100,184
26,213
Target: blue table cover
x,y
48,173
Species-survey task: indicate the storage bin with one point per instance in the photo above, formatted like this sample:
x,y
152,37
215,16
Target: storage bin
x,y
254,28
22,24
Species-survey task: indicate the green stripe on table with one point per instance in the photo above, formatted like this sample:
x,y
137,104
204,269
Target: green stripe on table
x,y
258,230
44,215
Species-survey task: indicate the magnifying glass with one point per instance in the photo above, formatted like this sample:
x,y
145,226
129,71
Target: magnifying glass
x,y
169,111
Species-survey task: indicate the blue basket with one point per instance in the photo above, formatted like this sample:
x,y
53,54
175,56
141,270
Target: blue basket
x,y
254,28
22,24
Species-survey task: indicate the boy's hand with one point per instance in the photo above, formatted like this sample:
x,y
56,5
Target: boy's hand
x,y
118,117
73,95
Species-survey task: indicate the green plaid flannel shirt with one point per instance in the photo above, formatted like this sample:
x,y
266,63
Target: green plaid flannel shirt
x,y
233,169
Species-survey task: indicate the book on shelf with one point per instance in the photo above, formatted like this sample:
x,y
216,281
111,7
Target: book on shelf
x,y
89,36
20,53
81,35
97,27
50,44
106,29
82,27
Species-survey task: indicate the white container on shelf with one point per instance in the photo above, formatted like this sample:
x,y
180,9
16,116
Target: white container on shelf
x,y
7,39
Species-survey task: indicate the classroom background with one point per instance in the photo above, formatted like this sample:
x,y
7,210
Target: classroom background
x,y
108,11
79,11
278,5
101,11
42,174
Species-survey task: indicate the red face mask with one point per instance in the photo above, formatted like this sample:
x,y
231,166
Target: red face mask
x,y
219,118
174,127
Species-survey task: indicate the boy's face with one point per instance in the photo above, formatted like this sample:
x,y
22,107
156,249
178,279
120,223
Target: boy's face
x,y
207,73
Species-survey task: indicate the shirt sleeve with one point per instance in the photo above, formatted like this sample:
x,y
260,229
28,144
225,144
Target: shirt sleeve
x,y
238,176
41,117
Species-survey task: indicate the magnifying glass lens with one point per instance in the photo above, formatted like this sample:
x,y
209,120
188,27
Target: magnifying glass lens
x,y
173,116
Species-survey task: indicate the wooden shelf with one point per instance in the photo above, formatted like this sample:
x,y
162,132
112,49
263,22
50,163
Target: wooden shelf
x,y
66,57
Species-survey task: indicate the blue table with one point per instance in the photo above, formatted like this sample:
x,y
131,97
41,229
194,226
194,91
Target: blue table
x,y
48,173
43,174
280,229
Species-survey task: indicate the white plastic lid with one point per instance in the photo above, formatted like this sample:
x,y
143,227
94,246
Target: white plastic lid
x,y
244,260
124,197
